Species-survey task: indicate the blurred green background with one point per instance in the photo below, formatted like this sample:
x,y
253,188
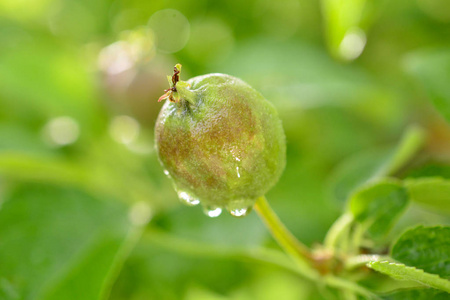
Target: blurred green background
x,y
85,209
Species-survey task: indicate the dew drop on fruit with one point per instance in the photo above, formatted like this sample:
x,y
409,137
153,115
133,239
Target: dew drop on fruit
x,y
188,199
240,207
239,212
167,173
212,212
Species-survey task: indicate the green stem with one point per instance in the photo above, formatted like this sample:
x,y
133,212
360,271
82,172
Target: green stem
x,y
337,232
356,238
281,234
122,255
185,94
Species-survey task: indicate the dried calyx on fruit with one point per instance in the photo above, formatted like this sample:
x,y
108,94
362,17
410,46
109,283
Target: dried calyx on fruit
x,y
220,141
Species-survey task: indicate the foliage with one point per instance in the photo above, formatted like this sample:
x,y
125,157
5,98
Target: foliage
x,y
360,86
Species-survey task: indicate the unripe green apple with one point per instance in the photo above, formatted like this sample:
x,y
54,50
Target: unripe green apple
x,y
220,141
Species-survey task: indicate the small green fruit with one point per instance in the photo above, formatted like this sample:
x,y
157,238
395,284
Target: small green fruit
x,y
220,141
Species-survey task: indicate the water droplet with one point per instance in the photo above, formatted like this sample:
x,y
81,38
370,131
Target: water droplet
x,y
188,199
167,173
240,207
240,212
213,212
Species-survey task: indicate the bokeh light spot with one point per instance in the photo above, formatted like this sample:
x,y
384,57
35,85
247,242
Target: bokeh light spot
x,y
134,47
171,30
124,129
352,44
140,213
115,58
62,131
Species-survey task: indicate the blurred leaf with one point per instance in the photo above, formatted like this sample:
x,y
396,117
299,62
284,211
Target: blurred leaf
x,y
298,74
60,244
344,24
195,293
403,272
369,166
57,83
270,284
379,205
417,294
355,172
30,10
213,49
224,231
430,192
42,169
153,272
64,19
163,260
274,284
432,69
427,248
431,169
172,243
14,137
124,179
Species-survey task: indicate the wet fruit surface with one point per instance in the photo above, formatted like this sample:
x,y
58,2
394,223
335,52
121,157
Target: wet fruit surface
x,y
221,142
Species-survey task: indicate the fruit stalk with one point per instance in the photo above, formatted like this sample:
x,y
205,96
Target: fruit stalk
x,y
280,233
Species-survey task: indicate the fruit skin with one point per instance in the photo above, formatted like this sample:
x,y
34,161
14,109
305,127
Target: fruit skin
x,y
221,141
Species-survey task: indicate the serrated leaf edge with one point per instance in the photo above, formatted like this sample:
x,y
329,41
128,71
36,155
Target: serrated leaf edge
x,y
403,272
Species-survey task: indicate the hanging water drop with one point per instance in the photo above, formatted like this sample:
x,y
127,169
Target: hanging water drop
x,y
188,199
240,207
212,212
240,212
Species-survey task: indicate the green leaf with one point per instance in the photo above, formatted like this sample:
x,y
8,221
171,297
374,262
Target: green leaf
x,y
303,76
430,169
377,206
417,294
58,243
355,172
430,192
14,137
403,272
368,166
427,248
97,175
432,69
62,75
